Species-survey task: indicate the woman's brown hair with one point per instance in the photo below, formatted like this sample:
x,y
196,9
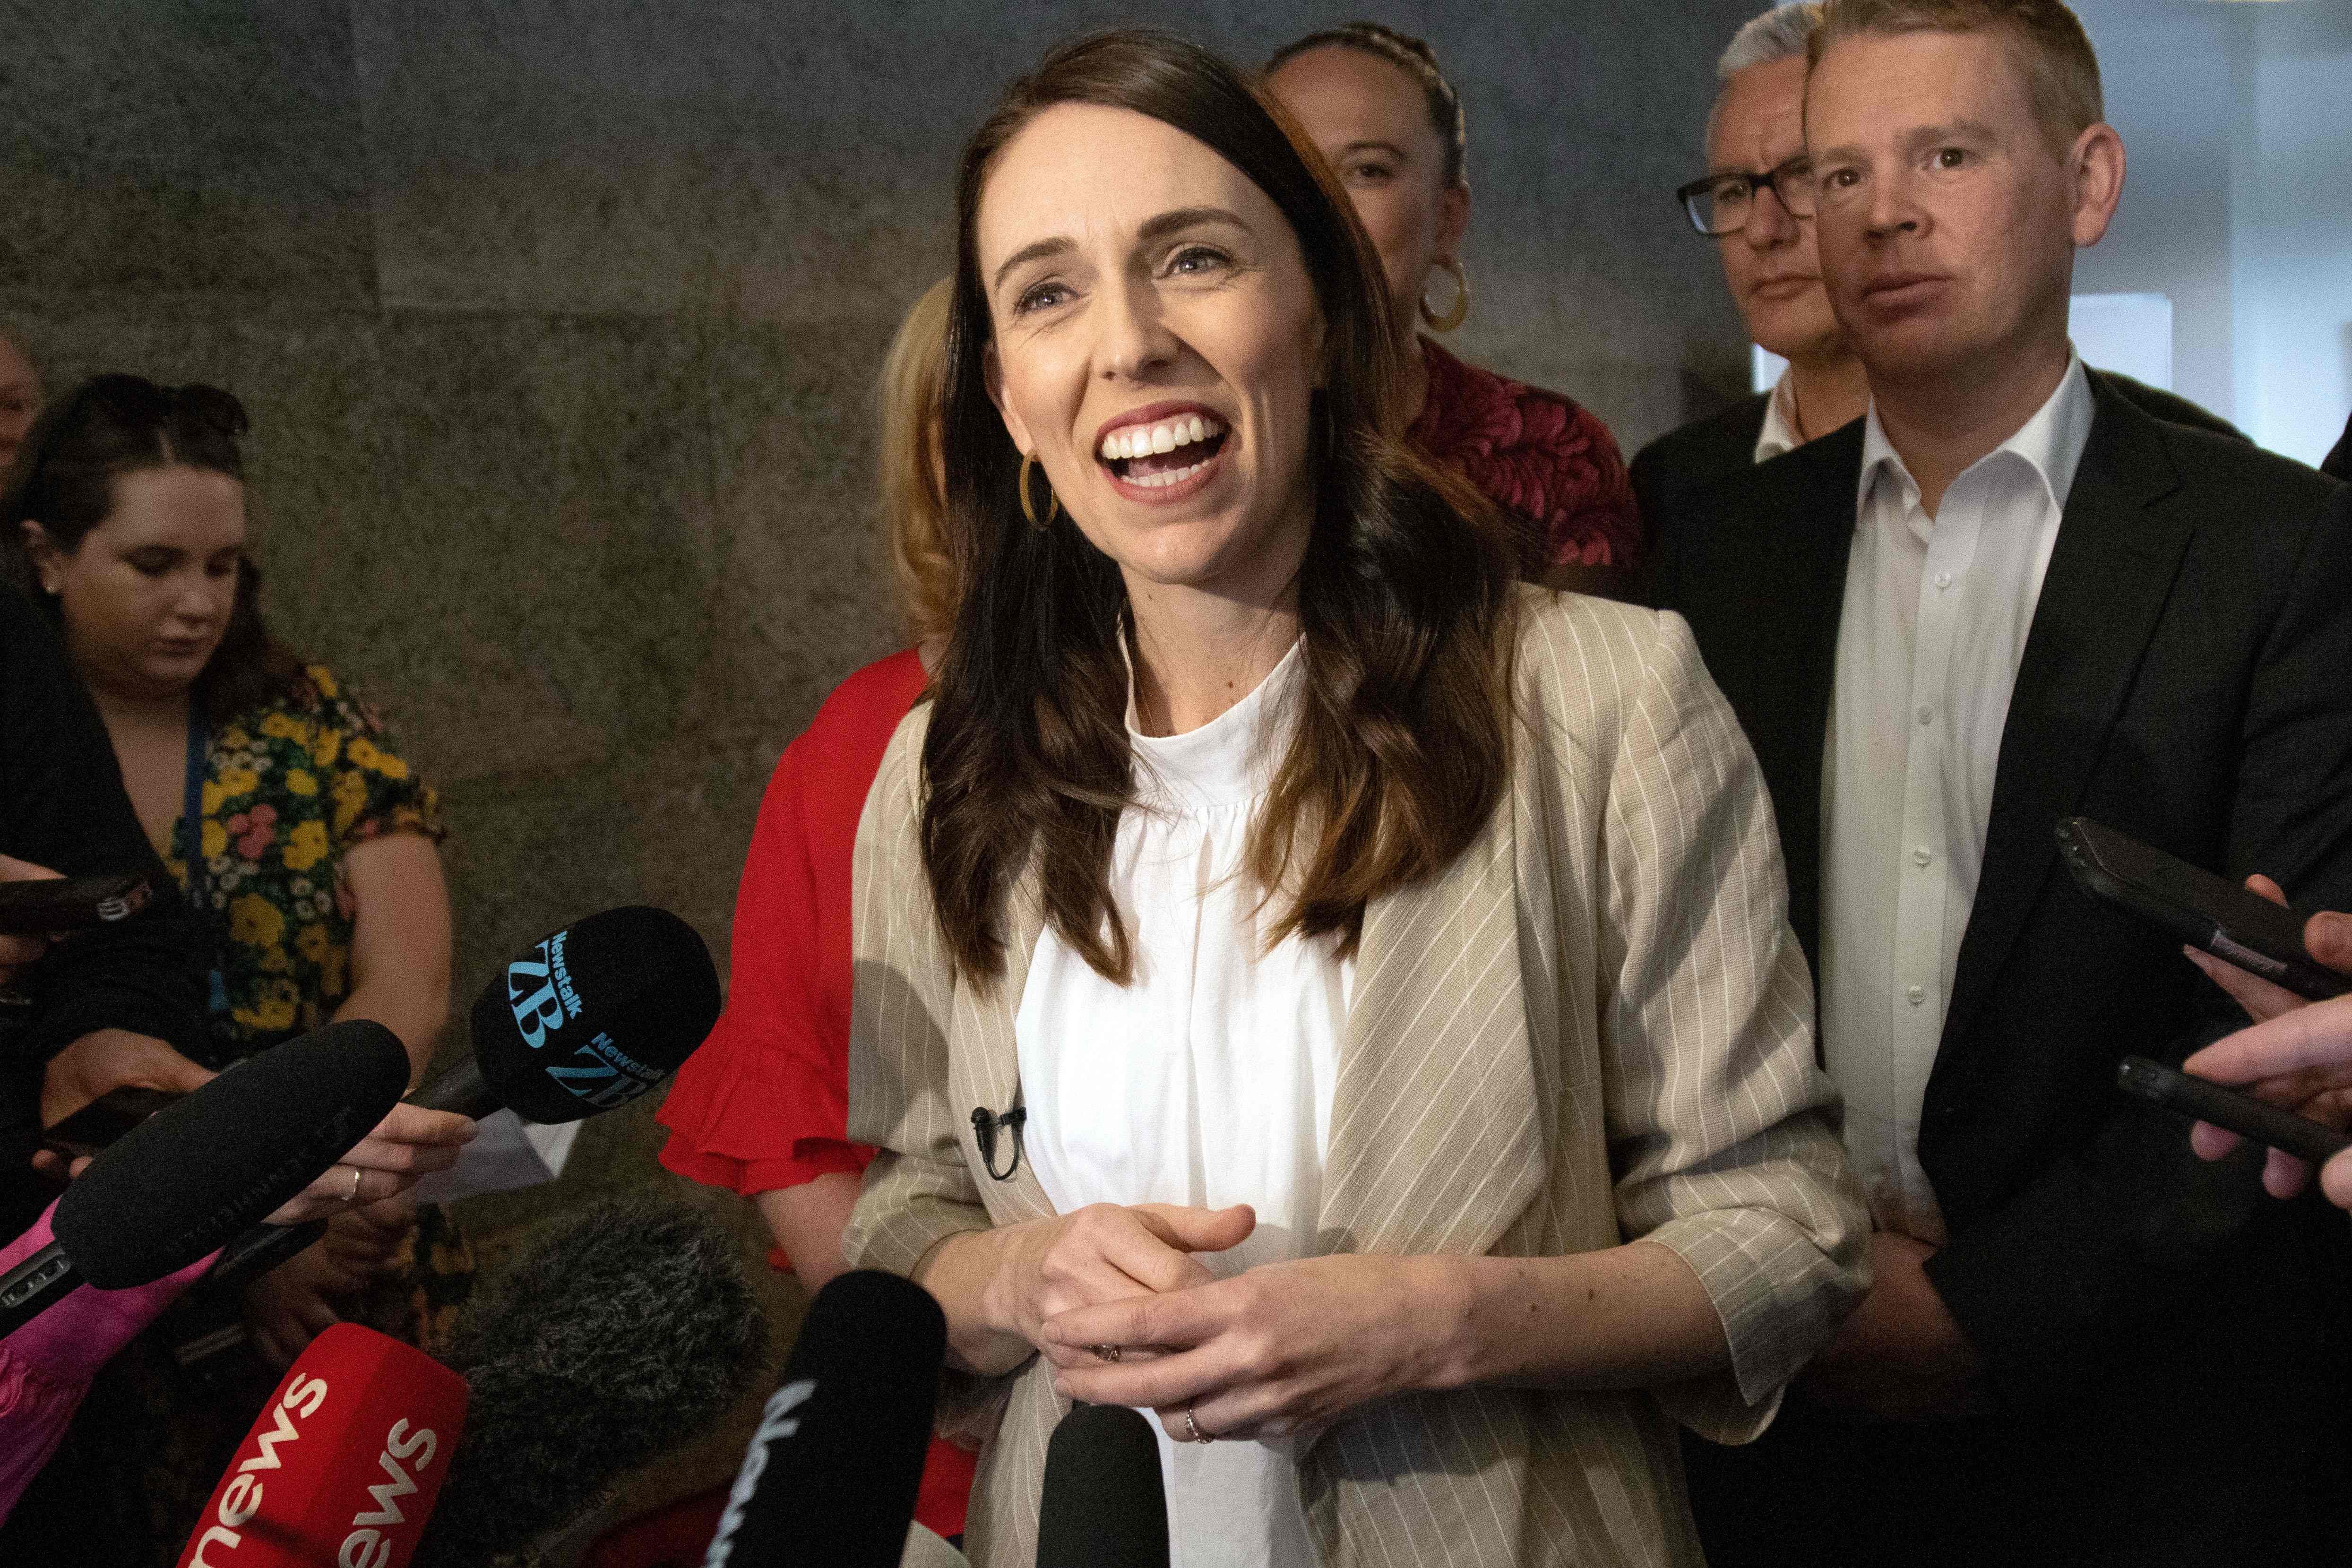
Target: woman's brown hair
x,y
64,479
1404,596
914,512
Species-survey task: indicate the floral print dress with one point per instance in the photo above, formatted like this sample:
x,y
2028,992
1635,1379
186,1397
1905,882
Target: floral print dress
x,y
289,789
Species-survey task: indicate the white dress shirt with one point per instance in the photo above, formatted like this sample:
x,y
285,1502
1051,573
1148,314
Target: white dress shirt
x,y
1934,621
1779,433
1207,1081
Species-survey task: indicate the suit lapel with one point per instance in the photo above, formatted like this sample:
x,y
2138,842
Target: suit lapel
x,y
991,1054
1768,629
2110,574
1434,1146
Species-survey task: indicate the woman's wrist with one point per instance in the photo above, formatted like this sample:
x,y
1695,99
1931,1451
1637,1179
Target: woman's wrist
x,y
967,1276
1439,1297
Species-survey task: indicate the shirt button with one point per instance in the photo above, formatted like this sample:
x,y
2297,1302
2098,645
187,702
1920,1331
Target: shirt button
x,y
1927,715
1923,855
1943,581
1917,994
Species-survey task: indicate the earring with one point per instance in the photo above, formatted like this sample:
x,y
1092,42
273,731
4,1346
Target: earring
x,y
1029,507
1460,310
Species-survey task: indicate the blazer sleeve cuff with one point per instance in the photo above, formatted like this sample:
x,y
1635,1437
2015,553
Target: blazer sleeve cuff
x,y
906,1208
1780,1297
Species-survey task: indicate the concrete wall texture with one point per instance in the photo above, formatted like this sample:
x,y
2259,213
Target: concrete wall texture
x,y
558,320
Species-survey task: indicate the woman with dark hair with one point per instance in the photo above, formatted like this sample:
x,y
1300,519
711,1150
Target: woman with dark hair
x,y
1307,985
304,842
1374,103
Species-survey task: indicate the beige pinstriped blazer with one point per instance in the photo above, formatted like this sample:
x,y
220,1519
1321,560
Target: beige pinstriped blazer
x,y
1595,1025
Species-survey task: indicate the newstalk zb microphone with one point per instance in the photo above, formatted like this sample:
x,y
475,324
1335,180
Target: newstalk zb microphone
x,y
830,1477
584,1022
1103,1504
204,1168
344,1464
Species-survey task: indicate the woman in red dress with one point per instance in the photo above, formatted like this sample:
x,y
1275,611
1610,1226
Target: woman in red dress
x,y
1390,126
762,1107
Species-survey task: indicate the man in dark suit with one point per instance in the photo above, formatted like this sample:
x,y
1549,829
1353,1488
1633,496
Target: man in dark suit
x,y
2339,461
1754,131
2006,597
1755,136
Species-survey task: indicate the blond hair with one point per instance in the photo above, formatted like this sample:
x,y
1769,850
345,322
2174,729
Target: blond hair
x,y
924,572
2062,70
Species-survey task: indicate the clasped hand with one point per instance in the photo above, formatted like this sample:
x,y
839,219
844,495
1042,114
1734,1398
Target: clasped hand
x,y
1280,1350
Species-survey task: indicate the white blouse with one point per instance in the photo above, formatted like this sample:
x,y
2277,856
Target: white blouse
x,y
1208,1080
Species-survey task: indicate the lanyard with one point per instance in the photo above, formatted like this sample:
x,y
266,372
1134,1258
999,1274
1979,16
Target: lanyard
x,y
192,834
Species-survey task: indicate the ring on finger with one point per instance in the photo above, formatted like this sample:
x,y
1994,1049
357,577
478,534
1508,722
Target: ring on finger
x,y
353,1195
1193,1428
1106,1353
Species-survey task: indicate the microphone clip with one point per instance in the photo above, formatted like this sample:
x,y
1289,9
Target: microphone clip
x,y
984,1125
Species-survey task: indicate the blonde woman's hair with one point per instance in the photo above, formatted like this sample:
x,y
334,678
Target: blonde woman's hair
x,y
923,570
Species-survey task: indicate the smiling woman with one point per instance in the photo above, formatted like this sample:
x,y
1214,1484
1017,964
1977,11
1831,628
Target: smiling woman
x,y
1255,844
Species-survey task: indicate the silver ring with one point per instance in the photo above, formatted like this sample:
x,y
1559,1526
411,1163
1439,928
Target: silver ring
x,y
353,1195
1193,1428
1106,1353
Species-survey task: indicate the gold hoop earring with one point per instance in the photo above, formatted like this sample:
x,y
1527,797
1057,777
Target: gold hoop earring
x,y
1459,311
1029,507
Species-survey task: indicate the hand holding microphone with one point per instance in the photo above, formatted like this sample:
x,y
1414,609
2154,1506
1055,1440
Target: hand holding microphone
x,y
581,1023
206,1167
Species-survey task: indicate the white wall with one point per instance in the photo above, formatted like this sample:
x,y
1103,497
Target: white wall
x,y
2237,122
2291,229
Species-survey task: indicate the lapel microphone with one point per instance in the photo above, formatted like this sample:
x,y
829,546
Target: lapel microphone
x,y
984,1124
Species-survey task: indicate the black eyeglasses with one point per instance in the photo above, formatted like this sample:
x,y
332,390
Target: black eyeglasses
x,y
1722,204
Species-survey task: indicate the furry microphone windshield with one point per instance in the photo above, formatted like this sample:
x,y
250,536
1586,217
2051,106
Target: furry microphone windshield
x,y
626,1331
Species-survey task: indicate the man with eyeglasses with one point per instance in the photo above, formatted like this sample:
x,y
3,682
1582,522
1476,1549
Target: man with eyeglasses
x,y
2006,597
1755,147
1756,157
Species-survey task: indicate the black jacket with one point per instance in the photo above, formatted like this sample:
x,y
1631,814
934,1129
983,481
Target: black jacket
x,y
1682,462
2167,1342
62,806
2339,461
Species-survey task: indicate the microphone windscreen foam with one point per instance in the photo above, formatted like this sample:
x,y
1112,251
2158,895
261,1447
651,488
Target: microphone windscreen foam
x,y
343,1465
208,1166
1104,1504
627,1330
830,1477
595,1015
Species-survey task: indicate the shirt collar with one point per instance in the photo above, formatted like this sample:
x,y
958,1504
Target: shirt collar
x,y
1780,432
2050,443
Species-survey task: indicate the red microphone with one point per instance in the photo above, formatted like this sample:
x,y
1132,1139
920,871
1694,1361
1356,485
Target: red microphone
x,y
343,1466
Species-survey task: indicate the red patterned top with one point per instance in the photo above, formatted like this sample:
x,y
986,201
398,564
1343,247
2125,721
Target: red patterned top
x,y
1534,453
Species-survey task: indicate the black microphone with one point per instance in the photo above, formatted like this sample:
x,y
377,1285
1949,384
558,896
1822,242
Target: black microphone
x,y
584,1022
831,1475
205,1167
626,1330
1104,1504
